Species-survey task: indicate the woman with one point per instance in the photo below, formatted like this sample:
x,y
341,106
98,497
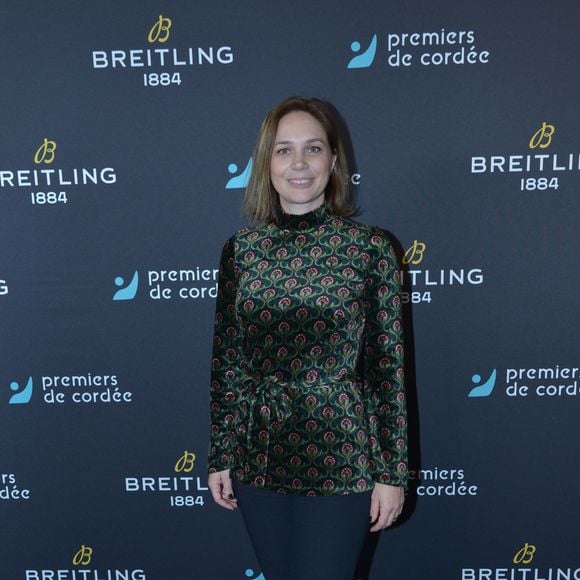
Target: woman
x,y
308,423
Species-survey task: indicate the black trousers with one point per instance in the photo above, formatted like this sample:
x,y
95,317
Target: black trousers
x,y
305,537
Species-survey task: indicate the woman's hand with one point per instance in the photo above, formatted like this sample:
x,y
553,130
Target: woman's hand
x,y
220,485
386,505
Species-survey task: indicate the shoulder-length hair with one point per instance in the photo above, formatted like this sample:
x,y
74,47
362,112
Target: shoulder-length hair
x,y
261,201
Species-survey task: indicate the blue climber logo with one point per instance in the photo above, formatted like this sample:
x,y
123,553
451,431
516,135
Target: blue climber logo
x,y
23,396
126,292
482,389
366,58
250,574
239,181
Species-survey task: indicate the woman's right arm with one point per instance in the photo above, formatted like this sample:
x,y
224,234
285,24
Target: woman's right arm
x,y
225,377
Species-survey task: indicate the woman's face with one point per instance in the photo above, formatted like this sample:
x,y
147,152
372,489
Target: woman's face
x,y
301,162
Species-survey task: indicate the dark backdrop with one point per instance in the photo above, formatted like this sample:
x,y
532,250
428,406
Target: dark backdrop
x,y
101,397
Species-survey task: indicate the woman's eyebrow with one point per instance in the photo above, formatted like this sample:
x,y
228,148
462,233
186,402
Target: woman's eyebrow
x,y
286,141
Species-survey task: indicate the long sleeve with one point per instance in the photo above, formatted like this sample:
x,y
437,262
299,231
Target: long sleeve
x,y
383,366
307,392
225,366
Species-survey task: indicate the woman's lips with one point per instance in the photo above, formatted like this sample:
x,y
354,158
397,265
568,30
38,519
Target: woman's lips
x,y
302,182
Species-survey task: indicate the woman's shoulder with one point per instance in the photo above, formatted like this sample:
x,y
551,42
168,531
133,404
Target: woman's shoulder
x,y
365,234
245,235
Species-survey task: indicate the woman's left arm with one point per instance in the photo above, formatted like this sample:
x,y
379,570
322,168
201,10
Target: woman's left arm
x,y
384,377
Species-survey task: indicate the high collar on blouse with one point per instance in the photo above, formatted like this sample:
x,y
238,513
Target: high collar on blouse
x,y
305,221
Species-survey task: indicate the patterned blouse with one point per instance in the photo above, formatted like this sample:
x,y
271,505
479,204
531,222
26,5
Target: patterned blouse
x,y
307,392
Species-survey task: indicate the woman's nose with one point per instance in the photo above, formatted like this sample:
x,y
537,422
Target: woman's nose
x,y
298,161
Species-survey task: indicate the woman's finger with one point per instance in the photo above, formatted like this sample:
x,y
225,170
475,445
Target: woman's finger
x,y
220,485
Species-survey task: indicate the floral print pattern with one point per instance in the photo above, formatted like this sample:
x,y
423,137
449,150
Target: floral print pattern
x,y
307,386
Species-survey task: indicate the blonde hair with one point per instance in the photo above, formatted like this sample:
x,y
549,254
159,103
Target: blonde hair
x,y
261,201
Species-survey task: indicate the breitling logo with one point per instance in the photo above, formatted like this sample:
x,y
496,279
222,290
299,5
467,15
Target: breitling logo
x,y
542,138
185,463
160,30
422,281
525,554
83,556
414,254
522,558
45,153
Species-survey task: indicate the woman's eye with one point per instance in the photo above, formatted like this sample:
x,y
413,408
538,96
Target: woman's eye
x,y
282,151
314,149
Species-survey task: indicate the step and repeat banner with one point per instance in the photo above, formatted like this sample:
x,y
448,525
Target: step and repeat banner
x,y
127,130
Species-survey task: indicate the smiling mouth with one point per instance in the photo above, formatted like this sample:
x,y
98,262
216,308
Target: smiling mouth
x,y
301,182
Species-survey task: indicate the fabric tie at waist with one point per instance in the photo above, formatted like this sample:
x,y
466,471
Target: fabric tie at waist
x,y
270,400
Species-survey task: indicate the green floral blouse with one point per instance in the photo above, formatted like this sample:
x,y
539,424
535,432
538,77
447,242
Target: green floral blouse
x,y
307,392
